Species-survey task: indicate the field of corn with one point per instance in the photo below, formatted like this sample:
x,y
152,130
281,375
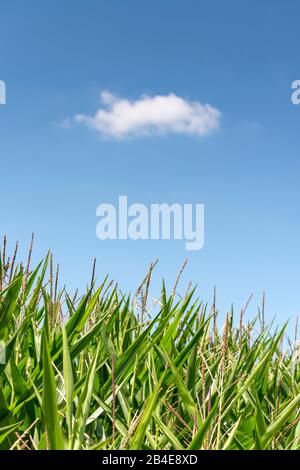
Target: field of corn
x,y
110,371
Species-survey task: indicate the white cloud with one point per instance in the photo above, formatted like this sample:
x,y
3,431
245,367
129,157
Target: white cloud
x,y
151,115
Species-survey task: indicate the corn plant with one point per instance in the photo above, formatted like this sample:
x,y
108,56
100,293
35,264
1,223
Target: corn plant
x,y
100,371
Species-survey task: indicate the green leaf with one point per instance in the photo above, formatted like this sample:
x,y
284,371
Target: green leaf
x,y
50,408
82,411
145,418
7,430
8,304
68,381
275,427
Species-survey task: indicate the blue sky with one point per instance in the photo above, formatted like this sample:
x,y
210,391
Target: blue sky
x,y
240,57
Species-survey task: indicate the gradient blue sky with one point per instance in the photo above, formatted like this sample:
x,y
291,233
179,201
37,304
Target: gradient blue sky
x,y
241,57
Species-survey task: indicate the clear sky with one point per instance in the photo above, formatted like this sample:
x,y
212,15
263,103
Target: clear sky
x,y
239,56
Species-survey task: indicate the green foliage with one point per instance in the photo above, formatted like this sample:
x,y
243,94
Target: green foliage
x,y
100,373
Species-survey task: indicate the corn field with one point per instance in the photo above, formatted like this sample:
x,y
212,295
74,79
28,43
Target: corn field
x,y
108,371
